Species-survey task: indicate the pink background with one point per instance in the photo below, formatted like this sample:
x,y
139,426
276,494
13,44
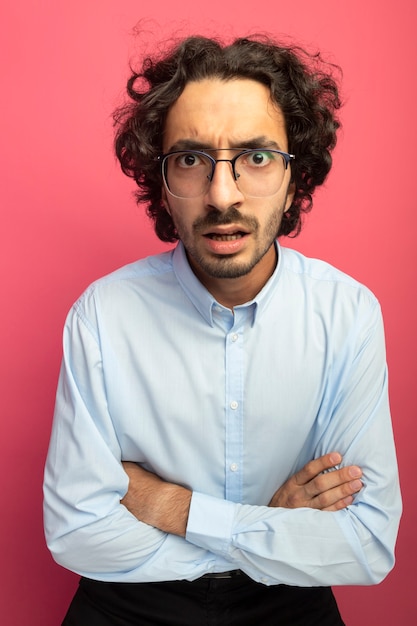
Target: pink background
x,y
68,217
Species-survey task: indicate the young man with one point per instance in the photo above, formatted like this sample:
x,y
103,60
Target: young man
x,y
206,392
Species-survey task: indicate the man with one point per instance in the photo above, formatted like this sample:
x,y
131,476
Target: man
x,y
207,392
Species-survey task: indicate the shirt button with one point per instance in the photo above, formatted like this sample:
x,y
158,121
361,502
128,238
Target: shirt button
x,y
234,405
234,467
235,337
264,580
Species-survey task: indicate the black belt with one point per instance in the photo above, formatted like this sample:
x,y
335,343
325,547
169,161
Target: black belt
x,y
230,574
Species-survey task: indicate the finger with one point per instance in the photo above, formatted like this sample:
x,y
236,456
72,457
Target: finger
x,y
341,504
330,480
316,467
339,497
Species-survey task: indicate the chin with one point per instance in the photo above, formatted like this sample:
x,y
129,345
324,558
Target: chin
x,y
226,267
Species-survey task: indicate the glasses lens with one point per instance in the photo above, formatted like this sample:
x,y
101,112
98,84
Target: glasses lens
x,y
187,174
260,173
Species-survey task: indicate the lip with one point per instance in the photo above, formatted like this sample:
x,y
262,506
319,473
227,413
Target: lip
x,y
226,246
227,229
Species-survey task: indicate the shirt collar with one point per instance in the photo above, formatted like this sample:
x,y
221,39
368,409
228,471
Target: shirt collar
x,y
202,298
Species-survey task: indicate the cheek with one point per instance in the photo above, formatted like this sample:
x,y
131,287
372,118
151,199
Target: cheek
x,y
183,212
289,197
164,201
180,219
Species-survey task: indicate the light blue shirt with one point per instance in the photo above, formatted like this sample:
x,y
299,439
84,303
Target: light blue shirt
x,y
229,404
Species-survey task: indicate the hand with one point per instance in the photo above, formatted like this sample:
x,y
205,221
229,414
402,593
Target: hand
x,y
155,501
310,487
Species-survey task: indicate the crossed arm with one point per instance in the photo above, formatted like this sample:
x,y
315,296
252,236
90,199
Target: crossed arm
x,y
91,533
165,505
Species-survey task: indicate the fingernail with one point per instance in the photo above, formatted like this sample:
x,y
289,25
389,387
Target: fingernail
x,y
356,485
335,458
355,472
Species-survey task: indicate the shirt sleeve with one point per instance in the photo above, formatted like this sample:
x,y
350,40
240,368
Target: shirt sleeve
x,y
308,547
87,529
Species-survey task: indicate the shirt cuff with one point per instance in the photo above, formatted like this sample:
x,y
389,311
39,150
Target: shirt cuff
x,y
210,523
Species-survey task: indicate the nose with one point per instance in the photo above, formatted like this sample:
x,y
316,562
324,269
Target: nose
x,y
223,191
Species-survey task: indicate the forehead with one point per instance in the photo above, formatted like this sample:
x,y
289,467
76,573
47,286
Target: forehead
x,y
221,114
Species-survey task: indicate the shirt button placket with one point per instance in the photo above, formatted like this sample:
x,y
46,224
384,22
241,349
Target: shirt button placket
x,y
234,421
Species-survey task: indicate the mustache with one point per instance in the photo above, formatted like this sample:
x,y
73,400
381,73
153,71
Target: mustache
x,y
223,218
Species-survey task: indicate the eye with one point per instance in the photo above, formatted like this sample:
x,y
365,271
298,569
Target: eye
x,y
258,158
188,160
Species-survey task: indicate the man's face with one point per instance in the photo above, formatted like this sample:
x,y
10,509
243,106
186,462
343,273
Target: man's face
x,y
225,233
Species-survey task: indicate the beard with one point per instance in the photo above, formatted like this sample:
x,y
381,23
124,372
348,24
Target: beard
x,y
225,266
230,265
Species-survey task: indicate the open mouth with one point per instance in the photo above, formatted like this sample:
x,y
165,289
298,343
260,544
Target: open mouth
x,y
226,237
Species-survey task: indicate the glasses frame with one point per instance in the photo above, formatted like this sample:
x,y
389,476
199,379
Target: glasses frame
x,y
164,157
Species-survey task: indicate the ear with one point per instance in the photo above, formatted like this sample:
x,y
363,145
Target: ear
x,y
290,197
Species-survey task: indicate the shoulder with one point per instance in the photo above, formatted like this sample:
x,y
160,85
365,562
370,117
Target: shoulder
x,y
140,270
339,309
316,271
325,288
130,281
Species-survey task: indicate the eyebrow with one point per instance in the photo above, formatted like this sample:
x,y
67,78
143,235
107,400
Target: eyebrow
x,y
247,144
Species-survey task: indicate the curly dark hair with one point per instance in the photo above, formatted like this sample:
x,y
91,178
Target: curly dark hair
x,y
301,84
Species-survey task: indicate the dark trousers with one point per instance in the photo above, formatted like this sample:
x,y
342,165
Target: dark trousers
x,y
235,601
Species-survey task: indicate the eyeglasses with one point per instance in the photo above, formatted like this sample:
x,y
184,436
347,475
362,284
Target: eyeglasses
x,y
258,172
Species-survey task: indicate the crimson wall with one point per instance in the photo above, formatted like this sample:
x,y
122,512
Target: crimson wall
x,y
68,217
